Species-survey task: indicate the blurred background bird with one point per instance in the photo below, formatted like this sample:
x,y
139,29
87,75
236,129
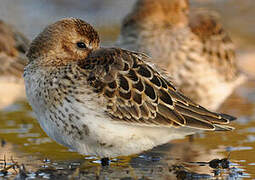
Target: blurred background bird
x,y
191,45
13,46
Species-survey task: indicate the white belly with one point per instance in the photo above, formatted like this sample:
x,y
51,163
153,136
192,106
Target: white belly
x,y
103,137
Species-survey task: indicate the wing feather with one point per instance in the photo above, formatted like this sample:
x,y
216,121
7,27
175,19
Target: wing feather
x,y
138,94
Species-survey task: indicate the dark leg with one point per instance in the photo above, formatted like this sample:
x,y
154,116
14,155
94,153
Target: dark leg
x,y
105,161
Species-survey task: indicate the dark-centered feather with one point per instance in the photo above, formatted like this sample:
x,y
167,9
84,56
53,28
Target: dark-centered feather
x,y
138,94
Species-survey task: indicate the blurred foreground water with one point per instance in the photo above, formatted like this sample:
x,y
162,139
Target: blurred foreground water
x,y
24,143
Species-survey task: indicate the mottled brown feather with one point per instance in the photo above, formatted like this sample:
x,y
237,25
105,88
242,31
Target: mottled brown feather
x,y
154,102
165,13
218,46
13,46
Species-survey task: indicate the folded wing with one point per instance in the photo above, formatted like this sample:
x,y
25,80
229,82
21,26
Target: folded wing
x,y
140,95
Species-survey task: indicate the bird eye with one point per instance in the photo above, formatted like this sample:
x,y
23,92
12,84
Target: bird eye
x,y
81,45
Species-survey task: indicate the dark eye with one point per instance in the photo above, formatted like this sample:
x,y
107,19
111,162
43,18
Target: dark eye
x,y
81,45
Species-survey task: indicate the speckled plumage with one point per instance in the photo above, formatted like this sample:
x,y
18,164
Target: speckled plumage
x,y
13,46
106,101
192,46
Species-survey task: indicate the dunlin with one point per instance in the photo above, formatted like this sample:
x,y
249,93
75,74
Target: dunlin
x,y
192,46
13,46
106,102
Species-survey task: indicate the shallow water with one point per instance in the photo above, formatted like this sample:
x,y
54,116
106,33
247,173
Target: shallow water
x,y
23,141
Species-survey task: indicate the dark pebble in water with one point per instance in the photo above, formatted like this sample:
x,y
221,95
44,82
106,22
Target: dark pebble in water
x,y
225,163
219,163
105,161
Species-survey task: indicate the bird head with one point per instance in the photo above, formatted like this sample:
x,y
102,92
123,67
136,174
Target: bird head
x,y
66,40
159,13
